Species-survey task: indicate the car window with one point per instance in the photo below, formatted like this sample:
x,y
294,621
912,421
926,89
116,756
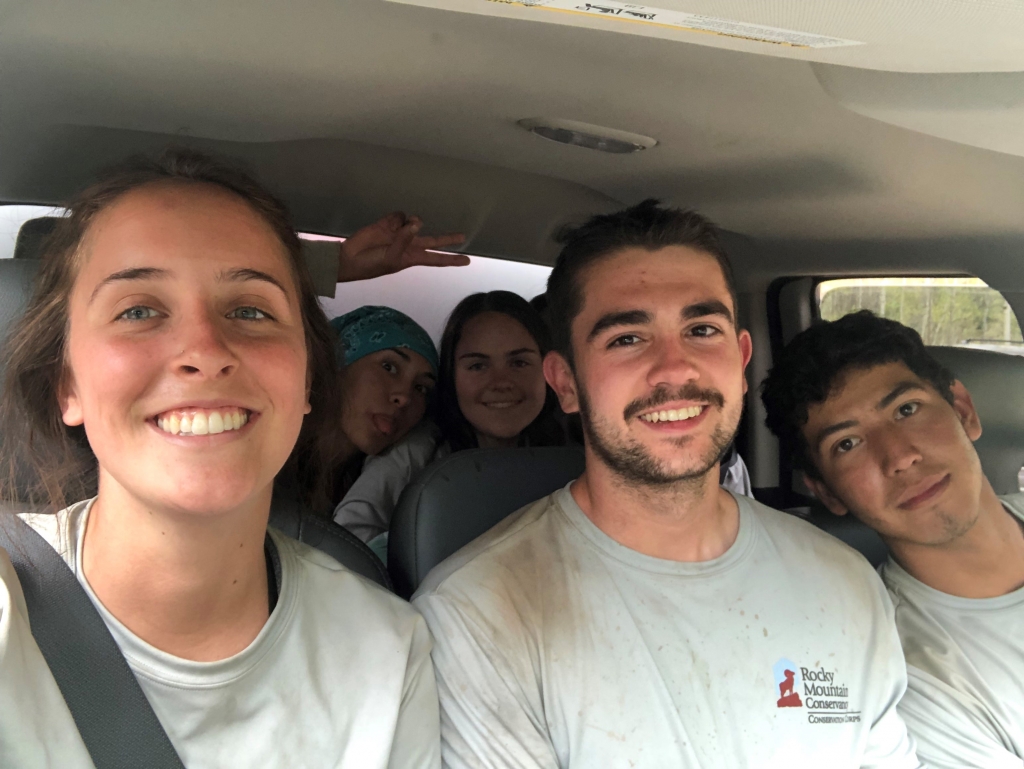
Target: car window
x,y
428,295
954,312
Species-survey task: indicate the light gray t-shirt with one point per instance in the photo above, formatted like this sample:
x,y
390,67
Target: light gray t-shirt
x,y
369,504
340,676
555,646
965,660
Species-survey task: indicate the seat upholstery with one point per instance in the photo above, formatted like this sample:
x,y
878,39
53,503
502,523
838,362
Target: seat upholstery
x,y
455,500
16,276
996,383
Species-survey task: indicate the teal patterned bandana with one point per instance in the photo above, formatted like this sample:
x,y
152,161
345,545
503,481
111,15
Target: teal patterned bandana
x,y
371,329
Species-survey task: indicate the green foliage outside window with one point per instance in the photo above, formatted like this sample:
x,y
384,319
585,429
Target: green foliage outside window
x,y
945,311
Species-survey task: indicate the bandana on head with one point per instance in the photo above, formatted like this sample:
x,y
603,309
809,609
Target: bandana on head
x,y
371,329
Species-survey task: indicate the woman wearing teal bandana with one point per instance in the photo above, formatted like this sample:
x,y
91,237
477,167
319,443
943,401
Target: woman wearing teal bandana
x,y
388,370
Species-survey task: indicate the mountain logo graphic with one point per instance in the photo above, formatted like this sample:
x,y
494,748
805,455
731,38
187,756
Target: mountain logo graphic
x,y
787,679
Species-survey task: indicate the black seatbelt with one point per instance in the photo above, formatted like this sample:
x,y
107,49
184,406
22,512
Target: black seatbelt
x,y
117,723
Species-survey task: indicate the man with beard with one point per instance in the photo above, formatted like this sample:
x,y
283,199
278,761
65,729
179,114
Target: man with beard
x,y
643,616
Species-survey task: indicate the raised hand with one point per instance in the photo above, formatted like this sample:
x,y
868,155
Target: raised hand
x,y
392,244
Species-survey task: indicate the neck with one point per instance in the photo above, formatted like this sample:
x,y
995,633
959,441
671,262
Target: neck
x,y
692,521
984,562
491,442
191,585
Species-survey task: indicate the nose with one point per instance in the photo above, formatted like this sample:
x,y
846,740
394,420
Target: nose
x,y
897,452
401,396
205,352
671,365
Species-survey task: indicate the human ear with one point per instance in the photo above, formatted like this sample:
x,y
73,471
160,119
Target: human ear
x,y
963,405
70,404
746,351
826,497
559,376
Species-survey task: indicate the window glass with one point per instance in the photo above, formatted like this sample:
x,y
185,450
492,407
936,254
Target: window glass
x,y
954,312
429,294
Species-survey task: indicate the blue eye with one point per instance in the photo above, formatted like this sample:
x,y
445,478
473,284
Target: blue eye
x,y
247,313
138,312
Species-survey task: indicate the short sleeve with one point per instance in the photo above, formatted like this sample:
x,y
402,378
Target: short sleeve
x,y
491,714
952,729
36,727
416,743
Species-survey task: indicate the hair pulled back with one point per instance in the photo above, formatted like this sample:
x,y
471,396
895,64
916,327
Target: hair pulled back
x,y
542,431
44,462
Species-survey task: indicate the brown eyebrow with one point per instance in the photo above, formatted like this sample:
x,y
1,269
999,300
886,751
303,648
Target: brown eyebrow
x,y
708,307
246,273
132,273
149,273
897,391
474,355
624,318
521,350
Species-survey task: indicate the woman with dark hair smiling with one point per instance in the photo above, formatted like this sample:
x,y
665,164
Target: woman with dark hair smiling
x,y
172,360
491,388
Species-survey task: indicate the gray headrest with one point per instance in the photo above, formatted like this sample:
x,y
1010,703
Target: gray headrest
x,y
16,276
457,499
32,235
996,383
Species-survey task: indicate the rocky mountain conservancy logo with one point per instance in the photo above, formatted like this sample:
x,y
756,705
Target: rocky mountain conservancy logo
x,y
825,698
786,679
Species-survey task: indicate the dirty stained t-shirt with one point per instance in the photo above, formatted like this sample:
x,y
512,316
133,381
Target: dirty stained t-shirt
x,y
555,646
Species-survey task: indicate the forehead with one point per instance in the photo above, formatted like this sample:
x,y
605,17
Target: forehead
x,y
173,224
494,330
857,392
665,279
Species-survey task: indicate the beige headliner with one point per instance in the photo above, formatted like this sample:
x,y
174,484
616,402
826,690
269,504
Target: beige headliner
x,y
353,107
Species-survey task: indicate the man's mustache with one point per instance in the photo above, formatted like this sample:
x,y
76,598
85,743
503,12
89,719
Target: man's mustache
x,y
662,395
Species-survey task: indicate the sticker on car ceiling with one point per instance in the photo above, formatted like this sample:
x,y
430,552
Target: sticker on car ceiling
x,y
645,14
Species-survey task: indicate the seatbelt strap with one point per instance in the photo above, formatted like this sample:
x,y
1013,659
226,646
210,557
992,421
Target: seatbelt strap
x,y
117,723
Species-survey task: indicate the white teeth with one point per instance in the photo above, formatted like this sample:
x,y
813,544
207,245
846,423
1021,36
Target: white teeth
x,y
673,415
202,422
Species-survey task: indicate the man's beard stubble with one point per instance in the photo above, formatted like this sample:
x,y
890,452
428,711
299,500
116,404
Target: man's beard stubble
x,y
632,462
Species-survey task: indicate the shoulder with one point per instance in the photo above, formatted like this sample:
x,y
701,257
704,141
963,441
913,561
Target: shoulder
x,y
1014,503
337,594
515,545
801,543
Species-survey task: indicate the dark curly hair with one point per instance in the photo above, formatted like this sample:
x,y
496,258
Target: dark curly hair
x,y
647,225
807,371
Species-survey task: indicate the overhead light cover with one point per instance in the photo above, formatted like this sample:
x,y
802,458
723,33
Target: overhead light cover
x,y
592,137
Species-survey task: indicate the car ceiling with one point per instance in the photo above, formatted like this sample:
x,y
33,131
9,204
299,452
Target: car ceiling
x,y
848,158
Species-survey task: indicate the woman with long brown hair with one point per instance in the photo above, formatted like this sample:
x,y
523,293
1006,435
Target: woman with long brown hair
x,y
172,361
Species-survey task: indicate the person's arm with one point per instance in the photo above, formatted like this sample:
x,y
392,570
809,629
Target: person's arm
x,y
387,246
489,716
952,729
889,746
36,727
416,744
368,505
